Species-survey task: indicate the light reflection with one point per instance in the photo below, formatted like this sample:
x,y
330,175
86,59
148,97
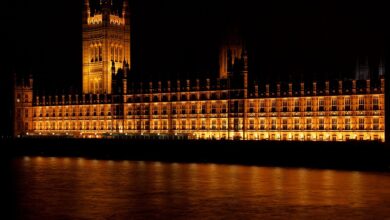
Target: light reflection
x,y
80,161
328,183
356,186
278,181
126,163
139,187
303,188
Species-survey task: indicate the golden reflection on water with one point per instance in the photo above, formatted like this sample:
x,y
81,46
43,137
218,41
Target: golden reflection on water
x,y
89,188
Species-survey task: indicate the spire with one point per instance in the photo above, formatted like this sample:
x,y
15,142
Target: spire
x,y
30,80
244,56
229,61
362,69
125,8
381,67
106,6
87,11
113,68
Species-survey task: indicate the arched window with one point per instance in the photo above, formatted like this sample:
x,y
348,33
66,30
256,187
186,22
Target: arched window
x,y
91,54
120,54
112,53
129,125
116,54
100,53
95,53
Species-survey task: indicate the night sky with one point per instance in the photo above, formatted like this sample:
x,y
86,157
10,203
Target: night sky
x,y
309,39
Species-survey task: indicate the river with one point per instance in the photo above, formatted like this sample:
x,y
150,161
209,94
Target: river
x,y
78,188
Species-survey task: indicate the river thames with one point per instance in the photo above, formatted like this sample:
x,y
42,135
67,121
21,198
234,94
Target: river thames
x,y
78,188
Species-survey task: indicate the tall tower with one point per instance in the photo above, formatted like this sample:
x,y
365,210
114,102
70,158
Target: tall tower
x,y
362,71
22,106
233,46
106,44
381,71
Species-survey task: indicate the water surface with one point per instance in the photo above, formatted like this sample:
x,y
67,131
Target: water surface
x,y
77,188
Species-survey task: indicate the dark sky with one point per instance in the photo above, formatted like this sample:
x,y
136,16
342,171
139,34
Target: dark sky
x,y
181,38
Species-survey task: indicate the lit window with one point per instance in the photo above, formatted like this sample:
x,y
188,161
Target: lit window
x,y
165,125
213,108
334,123
213,124
321,124
193,109
183,125
347,104
262,124
321,104
361,103
224,124
347,124
273,105
251,124
334,104
284,103
273,124
251,107
375,124
203,108
262,106
284,124
155,125
308,124
193,124
296,123
308,105
224,108
296,105
375,103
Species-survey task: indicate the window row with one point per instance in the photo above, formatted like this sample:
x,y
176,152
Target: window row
x,y
216,124
96,53
307,105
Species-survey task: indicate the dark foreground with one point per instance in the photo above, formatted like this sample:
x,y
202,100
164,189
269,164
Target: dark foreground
x,y
337,155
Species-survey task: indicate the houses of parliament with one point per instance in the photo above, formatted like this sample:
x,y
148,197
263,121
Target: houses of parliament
x,y
227,107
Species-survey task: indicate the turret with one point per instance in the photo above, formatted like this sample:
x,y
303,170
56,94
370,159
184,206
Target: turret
x,y
86,12
230,51
22,105
124,79
245,70
106,11
381,71
30,81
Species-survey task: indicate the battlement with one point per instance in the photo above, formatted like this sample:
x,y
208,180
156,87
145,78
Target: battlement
x,y
96,19
117,20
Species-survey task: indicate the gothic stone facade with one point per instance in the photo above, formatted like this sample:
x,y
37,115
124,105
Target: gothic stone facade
x,y
225,108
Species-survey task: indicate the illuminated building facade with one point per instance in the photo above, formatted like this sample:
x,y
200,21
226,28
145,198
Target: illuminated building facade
x,y
228,107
